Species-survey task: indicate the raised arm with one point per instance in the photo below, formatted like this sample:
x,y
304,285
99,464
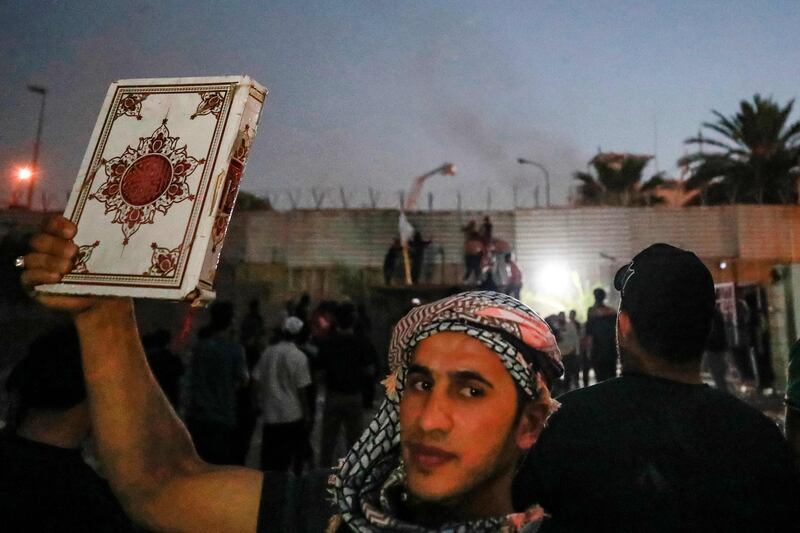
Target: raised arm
x,y
148,454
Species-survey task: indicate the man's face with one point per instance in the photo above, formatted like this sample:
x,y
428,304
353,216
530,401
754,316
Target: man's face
x,y
457,419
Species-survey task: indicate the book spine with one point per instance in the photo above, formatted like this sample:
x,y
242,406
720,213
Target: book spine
x,y
225,196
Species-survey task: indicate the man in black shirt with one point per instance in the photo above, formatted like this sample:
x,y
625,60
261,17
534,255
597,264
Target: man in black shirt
x,y
167,366
656,449
346,369
45,485
600,324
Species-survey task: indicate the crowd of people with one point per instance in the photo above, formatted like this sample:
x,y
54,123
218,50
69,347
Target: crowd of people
x,y
488,262
233,378
739,348
469,437
273,373
589,350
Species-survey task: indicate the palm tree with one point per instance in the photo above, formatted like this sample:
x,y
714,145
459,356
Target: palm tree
x,y
674,193
756,157
618,181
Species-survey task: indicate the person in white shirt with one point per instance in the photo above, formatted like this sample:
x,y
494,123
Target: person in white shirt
x,y
282,376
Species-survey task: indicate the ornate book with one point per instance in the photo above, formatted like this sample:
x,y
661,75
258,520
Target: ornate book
x,y
157,186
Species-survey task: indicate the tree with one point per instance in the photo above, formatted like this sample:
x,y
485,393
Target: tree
x,y
246,201
618,181
756,155
674,193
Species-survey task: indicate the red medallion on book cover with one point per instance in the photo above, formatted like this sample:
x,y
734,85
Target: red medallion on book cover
x,y
146,179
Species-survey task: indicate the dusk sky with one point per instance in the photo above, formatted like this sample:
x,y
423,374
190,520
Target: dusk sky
x,y
371,94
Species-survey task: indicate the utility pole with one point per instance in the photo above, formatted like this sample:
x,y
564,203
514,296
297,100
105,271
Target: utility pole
x,y
36,174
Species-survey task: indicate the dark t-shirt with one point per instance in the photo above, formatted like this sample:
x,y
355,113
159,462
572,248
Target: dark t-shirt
x,y
217,371
167,369
345,360
296,504
601,326
46,488
640,453
717,341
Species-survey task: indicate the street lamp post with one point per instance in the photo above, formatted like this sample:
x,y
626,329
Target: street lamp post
x,y
35,164
22,177
541,167
410,202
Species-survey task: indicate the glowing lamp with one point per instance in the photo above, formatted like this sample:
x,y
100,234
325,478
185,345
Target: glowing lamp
x,y
553,279
449,169
24,174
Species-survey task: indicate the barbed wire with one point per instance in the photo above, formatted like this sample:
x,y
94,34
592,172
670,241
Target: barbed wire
x,y
494,198
341,197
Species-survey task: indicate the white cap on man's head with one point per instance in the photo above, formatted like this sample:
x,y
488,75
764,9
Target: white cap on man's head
x,y
292,325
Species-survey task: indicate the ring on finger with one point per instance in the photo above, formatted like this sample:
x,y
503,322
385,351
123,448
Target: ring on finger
x,y
19,262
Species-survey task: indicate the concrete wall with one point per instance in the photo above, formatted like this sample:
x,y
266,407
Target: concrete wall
x,y
353,237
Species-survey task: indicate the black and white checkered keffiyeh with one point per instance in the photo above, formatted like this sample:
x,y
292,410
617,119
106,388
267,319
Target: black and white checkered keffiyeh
x,y
527,348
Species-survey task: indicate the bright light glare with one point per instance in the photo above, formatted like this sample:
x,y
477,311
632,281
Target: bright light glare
x,y
723,265
553,279
24,174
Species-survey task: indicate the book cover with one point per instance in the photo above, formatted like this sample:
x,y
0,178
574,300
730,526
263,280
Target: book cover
x,y
158,184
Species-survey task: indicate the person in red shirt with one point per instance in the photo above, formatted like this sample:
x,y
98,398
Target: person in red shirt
x,y
474,248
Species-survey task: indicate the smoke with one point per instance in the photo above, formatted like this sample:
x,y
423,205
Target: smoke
x,y
473,132
485,139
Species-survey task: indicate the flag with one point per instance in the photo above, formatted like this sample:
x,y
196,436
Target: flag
x,y
405,228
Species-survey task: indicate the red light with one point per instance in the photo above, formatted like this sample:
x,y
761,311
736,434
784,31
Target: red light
x,y
24,174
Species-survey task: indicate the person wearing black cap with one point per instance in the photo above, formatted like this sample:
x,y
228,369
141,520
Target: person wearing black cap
x,y
656,449
45,485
